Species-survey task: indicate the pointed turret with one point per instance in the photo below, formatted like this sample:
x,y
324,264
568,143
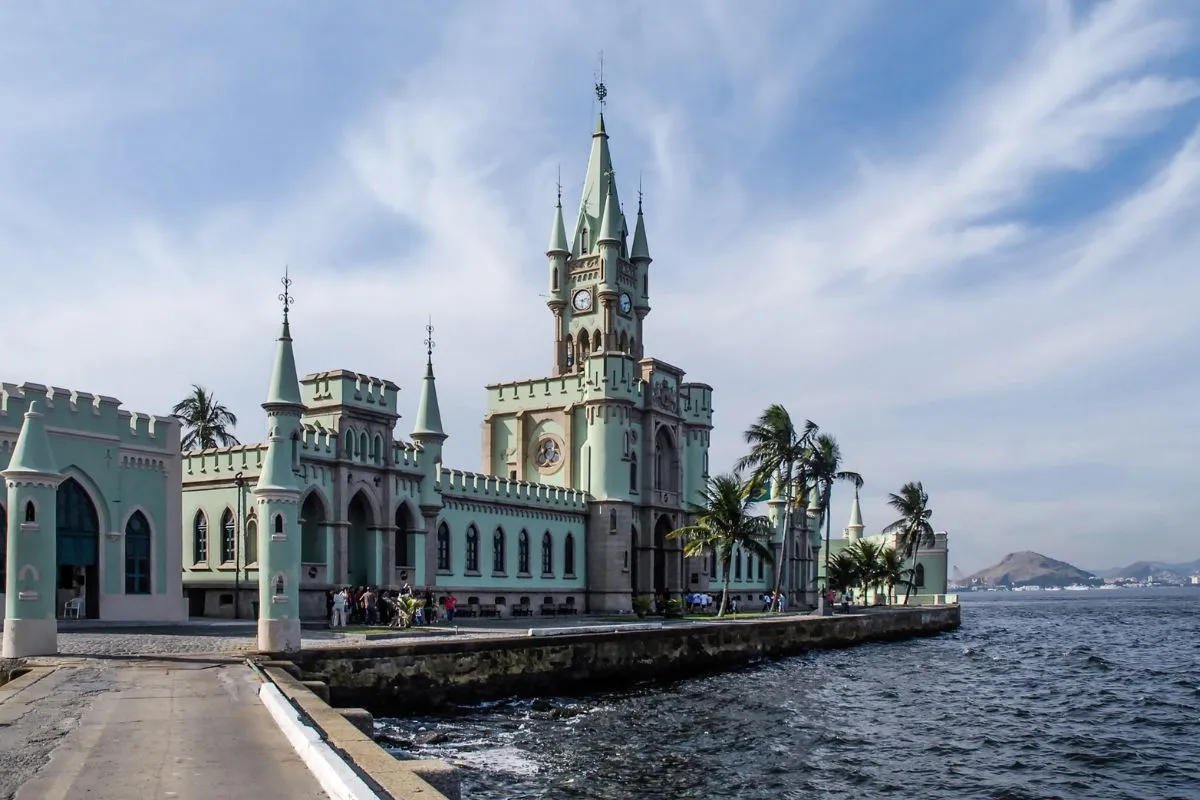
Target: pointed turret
x,y
32,478
285,386
610,222
558,233
32,453
640,253
429,415
598,187
855,528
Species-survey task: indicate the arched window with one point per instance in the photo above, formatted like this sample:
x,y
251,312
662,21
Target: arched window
x,y
633,476
251,542
443,548
498,550
349,444
554,281
472,549
523,553
200,539
585,345
666,462
612,522
362,446
295,450
547,554
737,565
137,555
570,344
583,242
760,569
378,454
919,576
228,538
597,340
279,523
624,342
3,546
749,566
632,346
712,563
30,511
569,556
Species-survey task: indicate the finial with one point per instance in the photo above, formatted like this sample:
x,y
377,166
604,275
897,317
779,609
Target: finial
x,y
601,89
559,184
286,296
429,343
639,191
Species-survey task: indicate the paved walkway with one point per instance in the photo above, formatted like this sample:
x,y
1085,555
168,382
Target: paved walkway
x,y
191,729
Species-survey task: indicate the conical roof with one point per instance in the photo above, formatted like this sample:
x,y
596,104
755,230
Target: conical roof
x,y
641,250
558,233
32,452
610,223
855,514
429,414
285,387
598,186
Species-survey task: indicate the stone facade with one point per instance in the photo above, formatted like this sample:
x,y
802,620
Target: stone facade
x,y
95,513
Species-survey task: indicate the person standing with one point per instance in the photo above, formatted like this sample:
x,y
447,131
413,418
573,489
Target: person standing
x,y
338,620
451,604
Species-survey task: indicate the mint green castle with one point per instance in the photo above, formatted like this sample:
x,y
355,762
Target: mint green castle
x,y
585,473
586,470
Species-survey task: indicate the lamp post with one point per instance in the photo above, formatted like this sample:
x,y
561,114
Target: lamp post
x,y
240,482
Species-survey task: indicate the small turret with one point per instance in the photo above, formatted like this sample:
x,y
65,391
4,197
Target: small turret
x,y
427,430
640,253
30,601
855,528
557,254
610,224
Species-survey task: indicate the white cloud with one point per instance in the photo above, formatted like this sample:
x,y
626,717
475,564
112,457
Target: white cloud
x,y
924,280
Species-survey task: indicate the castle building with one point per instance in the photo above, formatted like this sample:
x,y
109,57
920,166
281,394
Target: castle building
x,y
586,470
89,522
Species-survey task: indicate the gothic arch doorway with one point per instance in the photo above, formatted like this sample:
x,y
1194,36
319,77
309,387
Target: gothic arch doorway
x,y
360,552
77,543
666,462
313,520
404,545
661,572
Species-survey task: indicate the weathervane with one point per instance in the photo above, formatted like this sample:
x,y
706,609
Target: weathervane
x,y
601,89
286,296
639,192
429,343
559,183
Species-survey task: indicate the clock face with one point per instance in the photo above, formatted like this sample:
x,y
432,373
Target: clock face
x,y
582,300
626,304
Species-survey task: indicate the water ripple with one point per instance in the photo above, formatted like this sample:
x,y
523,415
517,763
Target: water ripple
x,y
1090,697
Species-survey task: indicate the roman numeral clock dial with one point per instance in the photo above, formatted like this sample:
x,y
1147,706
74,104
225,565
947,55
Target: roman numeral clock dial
x,y
582,300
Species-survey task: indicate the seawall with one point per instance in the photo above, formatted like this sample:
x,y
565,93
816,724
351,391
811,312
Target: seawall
x,y
403,678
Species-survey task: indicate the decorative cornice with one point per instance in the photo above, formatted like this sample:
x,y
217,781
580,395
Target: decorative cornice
x,y
16,478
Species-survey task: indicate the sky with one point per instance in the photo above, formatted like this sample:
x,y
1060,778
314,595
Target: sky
x,y
961,237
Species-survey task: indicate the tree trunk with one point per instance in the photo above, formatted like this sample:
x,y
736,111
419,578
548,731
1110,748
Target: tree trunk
x,y
912,576
784,551
828,516
725,590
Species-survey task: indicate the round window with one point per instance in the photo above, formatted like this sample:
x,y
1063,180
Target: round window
x,y
548,454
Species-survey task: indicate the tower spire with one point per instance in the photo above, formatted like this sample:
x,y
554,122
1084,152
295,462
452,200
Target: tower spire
x,y
610,228
640,252
855,528
285,387
428,424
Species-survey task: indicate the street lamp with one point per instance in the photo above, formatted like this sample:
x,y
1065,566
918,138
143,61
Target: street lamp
x,y
238,544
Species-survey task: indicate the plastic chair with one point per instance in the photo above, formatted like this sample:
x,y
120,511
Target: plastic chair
x,y
73,608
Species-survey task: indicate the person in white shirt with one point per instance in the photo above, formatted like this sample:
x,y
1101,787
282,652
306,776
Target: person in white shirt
x,y
339,610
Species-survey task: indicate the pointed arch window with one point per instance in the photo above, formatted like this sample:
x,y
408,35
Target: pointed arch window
x,y
737,565
30,511
523,553
612,522
569,556
362,446
200,538
712,563
472,549
547,555
137,554
279,524
597,341
498,551
633,473
349,444
919,576
554,281
583,241
228,538
443,548
251,543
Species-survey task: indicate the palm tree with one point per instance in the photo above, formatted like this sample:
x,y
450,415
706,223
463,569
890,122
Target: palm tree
x,y
724,525
912,503
840,573
778,451
864,556
891,571
826,470
206,422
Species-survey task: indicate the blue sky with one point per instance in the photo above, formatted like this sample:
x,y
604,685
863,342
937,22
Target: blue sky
x,y
963,239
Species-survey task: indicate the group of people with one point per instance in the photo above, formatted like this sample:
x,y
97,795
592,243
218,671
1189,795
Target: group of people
x,y
701,602
370,606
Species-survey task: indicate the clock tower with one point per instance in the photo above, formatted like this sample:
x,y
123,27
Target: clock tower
x,y
599,282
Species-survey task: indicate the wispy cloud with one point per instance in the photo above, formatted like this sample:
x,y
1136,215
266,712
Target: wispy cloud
x,y
990,285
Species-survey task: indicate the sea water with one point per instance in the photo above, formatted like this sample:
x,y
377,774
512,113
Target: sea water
x,y
1091,695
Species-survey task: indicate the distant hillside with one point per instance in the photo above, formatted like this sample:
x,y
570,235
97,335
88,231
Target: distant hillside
x,y
1031,569
1158,570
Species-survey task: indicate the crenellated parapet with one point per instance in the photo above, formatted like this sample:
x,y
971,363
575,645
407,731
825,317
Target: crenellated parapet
x,y
604,376
222,463
83,412
326,390
477,486
405,455
318,441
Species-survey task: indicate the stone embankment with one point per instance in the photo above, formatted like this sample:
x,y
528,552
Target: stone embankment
x,y
413,676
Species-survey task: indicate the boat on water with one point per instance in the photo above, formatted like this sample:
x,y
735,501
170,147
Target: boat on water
x,y
1078,587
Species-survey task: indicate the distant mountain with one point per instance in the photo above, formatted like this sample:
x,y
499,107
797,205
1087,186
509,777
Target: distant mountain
x,y
1031,569
1159,571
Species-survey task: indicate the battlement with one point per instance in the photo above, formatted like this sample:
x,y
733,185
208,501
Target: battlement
x,y
695,403
476,486
87,413
318,440
224,462
405,455
605,376
325,390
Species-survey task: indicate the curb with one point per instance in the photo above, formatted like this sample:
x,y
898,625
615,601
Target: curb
x,y
337,779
